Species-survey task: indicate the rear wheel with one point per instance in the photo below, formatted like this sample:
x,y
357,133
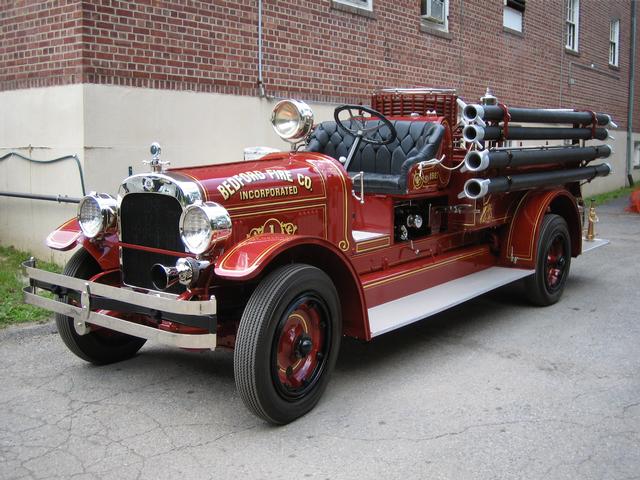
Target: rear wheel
x,y
100,346
546,286
287,343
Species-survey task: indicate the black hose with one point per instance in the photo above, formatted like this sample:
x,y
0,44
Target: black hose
x,y
55,160
477,160
478,188
533,115
474,133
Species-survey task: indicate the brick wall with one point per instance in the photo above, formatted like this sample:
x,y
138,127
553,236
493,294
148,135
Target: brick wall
x,y
317,51
40,43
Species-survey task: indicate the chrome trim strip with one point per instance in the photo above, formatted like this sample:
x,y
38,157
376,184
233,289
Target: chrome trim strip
x,y
180,340
207,307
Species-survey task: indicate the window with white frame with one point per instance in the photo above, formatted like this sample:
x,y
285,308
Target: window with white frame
x,y
435,13
364,4
614,42
636,155
513,14
572,24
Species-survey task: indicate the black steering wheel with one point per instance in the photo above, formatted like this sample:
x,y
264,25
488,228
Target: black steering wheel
x,y
356,124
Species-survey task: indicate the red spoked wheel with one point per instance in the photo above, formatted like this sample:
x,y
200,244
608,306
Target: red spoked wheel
x,y
547,284
555,263
300,349
287,343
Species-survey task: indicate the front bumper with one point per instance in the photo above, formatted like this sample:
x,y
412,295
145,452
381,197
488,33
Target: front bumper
x,y
98,296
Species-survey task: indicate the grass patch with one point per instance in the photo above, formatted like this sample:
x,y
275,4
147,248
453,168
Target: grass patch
x,y
12,308
612,195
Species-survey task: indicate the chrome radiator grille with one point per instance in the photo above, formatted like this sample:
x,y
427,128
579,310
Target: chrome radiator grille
x,y
149,220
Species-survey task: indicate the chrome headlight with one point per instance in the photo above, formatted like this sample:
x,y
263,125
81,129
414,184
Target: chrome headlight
x,y
204,224
292,120
96,214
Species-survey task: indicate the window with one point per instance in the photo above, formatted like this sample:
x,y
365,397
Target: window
x,y
364,4
573,24
614,41
636,155
512,14
435,13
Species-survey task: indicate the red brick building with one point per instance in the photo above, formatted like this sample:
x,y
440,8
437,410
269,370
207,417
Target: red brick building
x,y
104,78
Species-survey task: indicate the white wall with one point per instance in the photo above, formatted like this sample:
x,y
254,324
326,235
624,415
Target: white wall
x,y
193,129
51,120
110,129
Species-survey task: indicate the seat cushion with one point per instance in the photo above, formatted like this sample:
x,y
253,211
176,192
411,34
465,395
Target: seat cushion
x,y
386,166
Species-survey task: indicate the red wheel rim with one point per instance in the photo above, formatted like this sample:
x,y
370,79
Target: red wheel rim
x,y
300,348
555,263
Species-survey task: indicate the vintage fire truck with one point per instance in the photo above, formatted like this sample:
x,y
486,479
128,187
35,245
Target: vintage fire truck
x,y
380,218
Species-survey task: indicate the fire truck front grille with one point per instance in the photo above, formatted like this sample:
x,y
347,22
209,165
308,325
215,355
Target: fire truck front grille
x,y
149,220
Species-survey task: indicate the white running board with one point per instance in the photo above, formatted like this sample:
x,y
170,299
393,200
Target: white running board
x,y
409,309
588,245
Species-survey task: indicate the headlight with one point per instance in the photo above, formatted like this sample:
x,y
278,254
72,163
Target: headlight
x,y
292,120
96,214
202,225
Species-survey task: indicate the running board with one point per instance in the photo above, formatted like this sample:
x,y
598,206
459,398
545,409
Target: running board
x,y
403,311
588,245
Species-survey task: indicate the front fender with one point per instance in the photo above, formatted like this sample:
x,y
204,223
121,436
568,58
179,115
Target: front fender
x,y
69,235
251,257
65,236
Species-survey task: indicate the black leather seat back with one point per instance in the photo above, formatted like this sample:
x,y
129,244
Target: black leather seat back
x,y
416,141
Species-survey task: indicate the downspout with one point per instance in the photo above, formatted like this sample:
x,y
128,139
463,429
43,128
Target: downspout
x,y
260,55
632,80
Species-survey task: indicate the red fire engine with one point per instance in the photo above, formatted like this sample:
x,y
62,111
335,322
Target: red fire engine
x,y
375,220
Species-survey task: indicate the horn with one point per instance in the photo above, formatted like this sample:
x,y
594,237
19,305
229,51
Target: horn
x,y
164,277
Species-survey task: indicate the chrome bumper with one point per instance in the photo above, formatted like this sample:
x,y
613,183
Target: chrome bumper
x,y
83,315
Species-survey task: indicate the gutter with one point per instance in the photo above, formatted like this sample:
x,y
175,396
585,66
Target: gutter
x,y
632,80
260,52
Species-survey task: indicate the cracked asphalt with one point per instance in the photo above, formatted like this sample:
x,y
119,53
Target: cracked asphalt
x,y
493,388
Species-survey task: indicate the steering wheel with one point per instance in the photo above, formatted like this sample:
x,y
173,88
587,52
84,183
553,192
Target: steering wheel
x,y
359,121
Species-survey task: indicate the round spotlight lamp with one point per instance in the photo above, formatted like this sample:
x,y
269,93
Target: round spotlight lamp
x,y
204,224
292,120
96,214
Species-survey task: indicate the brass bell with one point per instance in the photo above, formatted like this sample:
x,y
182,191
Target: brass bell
x,y
592,219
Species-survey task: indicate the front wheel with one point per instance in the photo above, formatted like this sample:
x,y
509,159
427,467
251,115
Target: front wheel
x,y
100,346
287,343
546,285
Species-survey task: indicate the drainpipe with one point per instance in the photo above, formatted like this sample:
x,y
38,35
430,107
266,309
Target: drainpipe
x,y
260,58
632,80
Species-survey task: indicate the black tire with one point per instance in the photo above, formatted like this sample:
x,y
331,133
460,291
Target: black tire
x,y
98,347
291,305
546,286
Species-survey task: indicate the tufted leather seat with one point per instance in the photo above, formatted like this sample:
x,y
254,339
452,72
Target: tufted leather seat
x,y
386,166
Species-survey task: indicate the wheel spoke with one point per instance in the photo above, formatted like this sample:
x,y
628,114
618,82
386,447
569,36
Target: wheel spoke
x,y
301,347
555,262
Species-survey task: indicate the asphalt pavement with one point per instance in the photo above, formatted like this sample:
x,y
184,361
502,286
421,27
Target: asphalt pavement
x,y
493,388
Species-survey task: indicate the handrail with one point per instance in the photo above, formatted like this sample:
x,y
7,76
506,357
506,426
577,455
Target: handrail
x,y
55,160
